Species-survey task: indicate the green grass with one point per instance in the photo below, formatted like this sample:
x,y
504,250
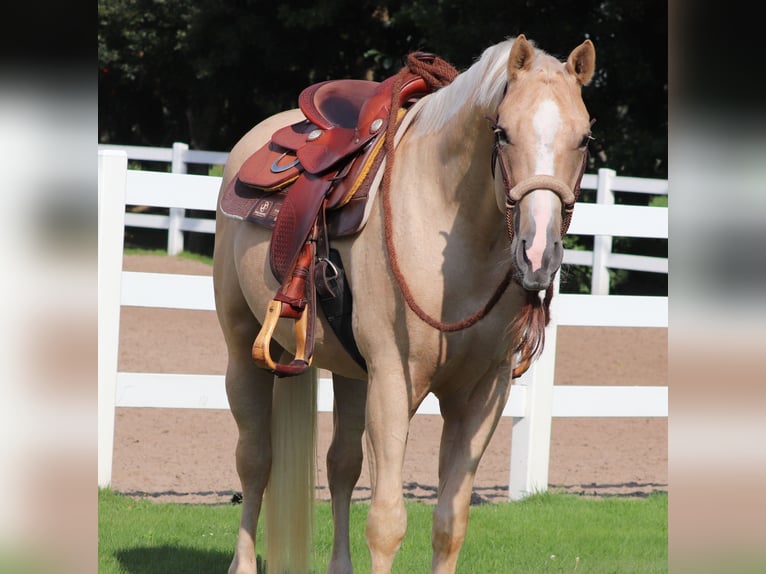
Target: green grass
x,y
215,170
161,252
547,533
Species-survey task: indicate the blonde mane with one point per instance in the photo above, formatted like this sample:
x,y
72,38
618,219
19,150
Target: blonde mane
x,y
483,84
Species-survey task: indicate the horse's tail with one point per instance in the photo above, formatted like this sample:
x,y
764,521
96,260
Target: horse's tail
x,y
289,497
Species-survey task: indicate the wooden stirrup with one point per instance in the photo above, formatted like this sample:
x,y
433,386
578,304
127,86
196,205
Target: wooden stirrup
x,y
261,353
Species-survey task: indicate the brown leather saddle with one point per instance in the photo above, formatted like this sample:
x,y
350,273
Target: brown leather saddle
x,y
310,183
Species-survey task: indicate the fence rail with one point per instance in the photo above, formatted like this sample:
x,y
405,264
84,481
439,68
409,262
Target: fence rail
x,y
534,398
606,183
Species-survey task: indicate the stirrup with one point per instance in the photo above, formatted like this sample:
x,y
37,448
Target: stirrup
x,y
261,354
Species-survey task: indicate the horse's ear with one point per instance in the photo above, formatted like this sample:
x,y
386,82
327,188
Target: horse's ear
x,y
520,59
582,62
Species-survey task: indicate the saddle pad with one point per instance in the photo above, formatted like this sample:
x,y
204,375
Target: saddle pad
x,y
245,203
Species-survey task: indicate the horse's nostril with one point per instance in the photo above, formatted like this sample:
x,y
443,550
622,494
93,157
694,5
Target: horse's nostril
x,y
524,252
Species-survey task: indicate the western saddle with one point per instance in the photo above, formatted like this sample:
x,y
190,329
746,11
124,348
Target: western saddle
x,y
310,183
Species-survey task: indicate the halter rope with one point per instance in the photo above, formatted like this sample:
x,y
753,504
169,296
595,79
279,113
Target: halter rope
x,y
437,73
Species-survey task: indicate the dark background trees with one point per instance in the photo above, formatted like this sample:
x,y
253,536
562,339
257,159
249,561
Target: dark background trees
x,y
206,71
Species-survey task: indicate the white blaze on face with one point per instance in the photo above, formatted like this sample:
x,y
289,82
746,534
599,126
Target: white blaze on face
x,y
546,123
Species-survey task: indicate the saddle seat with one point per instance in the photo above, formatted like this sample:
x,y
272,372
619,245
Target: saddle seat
x,y
336,103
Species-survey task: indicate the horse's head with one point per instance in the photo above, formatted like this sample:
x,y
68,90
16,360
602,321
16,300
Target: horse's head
x,y
542,131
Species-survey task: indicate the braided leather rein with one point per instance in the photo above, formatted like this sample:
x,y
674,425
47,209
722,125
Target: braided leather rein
x,y
437,73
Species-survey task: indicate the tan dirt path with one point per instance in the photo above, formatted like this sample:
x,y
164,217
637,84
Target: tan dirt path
x,y
188,455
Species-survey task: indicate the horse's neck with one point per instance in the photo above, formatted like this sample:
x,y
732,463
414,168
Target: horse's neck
x,y
454,165
449,235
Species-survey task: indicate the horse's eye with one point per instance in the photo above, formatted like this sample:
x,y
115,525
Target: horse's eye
x,y
502,136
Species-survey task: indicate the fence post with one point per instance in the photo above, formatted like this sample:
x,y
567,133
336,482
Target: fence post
x,y
602,244
175,235
531,436
112,181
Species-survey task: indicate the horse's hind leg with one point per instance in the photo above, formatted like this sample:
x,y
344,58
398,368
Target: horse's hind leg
x,y
469,422
344,464
249,390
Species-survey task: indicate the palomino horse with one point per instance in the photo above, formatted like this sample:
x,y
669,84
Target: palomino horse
x,y
460,186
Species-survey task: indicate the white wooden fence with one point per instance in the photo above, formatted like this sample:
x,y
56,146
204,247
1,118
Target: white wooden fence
x,y
534,399
601,259
176,222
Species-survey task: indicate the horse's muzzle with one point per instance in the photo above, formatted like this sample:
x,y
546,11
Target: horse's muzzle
x,y
537,242
539,278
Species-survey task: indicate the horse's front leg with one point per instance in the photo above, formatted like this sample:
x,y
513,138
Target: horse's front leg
x,y
344,464
469,422
387,427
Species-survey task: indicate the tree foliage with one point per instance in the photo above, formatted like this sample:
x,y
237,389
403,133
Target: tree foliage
x,y
206,71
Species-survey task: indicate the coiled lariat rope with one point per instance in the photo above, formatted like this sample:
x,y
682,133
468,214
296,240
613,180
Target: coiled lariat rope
x,y
437,73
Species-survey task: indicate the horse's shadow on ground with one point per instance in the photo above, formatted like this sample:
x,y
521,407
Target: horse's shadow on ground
x,y
176,559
